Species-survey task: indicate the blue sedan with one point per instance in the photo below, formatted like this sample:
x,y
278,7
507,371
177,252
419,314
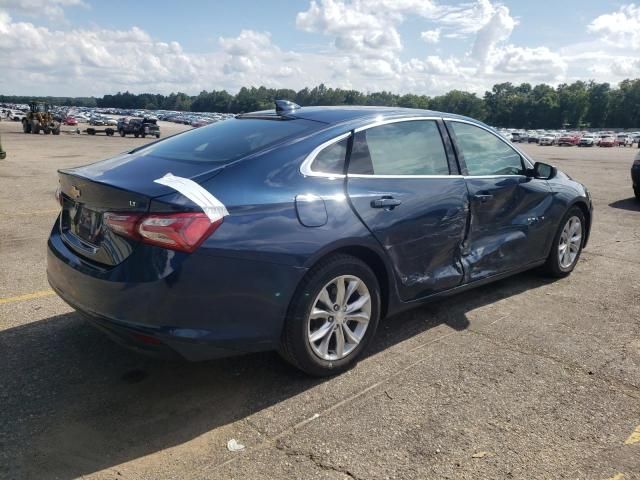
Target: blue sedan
x,y
298,229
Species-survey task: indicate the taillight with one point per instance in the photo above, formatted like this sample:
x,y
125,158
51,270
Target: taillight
x,y
123,223
176,231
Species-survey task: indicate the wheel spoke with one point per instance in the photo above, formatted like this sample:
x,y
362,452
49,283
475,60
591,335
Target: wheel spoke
x,y
323,348
339,343
325,298
317,313
340,291
321,332
358,304
357,317
350,335
351,287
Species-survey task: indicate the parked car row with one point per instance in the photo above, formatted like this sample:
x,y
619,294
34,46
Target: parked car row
x,y
572,138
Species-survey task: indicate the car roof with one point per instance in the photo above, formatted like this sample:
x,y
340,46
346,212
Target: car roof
x,y
333,115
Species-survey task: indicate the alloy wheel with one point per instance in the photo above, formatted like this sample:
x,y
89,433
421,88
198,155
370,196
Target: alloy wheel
x,y
570,242
339,317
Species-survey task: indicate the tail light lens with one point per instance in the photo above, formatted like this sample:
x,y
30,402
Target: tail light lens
x,y
176,231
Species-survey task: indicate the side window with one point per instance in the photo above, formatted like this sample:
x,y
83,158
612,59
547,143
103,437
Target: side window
x,y
331,159
401,148
484,153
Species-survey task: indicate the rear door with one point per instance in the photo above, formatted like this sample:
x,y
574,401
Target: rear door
x,y
510,225
401,185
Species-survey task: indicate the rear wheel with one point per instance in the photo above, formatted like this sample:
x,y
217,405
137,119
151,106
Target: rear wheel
x,y
26,127
35,127
333,316
122,134
567,244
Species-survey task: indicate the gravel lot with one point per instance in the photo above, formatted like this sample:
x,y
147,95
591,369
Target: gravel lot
x,y
526,378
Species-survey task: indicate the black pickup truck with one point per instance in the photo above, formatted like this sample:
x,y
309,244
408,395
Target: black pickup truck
x,y
139,127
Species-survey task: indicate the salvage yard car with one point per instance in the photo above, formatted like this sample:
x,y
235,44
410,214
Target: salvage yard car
x,y
568,139
299,229
139,127
608,141
624,140
587,140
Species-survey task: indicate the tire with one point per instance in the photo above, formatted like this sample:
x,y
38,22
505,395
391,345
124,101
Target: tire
x,y
122,134
298,348
136,135
35,127
26,127
553,266
157,135
56,131
636,192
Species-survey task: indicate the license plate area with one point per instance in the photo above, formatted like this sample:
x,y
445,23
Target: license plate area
x,y
82,222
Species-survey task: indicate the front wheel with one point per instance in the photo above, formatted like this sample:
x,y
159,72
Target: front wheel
x,y
567,244
333,316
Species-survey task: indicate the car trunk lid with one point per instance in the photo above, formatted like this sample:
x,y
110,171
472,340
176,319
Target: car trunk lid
x,y
116,185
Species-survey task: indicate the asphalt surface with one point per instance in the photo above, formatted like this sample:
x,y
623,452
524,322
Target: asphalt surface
x,y
525,378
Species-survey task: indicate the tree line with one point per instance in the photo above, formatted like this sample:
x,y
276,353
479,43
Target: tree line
x,y
576,105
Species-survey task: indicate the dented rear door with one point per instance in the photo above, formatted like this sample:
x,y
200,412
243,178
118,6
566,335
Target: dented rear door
x,y
400,185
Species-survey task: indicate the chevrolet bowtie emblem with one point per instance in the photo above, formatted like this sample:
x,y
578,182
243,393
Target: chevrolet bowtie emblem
x,y
75,191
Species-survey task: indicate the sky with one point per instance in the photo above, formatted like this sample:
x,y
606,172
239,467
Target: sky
x,y
85,47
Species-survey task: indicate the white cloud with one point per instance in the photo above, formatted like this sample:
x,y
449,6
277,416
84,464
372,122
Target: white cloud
x,y
53,9
497,29
621,28
431,36
364,50
535,63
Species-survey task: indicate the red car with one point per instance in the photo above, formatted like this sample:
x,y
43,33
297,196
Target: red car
x,y
70,121
609,141
570,139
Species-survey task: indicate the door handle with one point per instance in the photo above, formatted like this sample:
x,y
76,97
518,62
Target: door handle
x,y
483,197
388,203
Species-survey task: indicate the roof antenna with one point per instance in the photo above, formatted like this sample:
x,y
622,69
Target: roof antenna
x,y
286,106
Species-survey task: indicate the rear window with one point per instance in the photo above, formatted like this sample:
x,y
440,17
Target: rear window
x,y
226,141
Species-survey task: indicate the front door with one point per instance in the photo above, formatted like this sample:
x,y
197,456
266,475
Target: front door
x,y
399,184
510,224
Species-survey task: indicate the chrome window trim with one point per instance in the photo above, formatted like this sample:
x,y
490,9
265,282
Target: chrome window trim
x,y
365,175
527,160
305,168
394,120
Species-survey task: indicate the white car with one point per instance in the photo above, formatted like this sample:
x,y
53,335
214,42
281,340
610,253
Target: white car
x,y
548,140
625,140
587,140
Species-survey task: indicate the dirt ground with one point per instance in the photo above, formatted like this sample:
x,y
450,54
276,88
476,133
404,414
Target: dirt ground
x,y
526,378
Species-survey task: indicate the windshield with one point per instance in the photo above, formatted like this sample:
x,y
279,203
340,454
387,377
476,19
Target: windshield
x,y
226,141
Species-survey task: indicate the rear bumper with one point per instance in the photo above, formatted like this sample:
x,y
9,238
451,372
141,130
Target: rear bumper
x,y
198,306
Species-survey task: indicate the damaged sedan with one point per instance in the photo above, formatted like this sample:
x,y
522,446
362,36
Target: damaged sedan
x,y
298,229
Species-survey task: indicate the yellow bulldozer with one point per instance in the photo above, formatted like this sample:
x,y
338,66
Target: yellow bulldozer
x,y
39,119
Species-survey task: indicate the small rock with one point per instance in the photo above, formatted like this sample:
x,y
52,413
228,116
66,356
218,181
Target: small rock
x,y
480,455
234,446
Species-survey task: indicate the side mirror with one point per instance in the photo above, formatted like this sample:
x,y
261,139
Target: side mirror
x,y
543,171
